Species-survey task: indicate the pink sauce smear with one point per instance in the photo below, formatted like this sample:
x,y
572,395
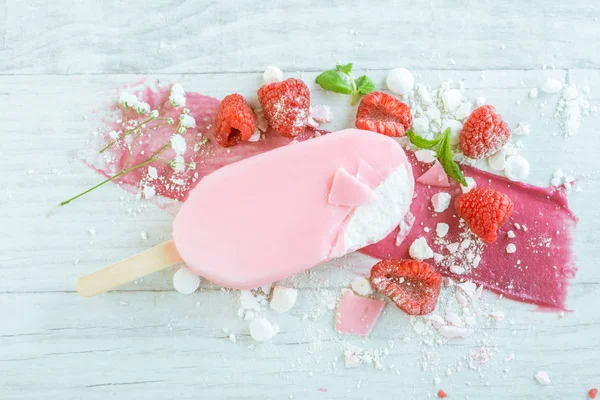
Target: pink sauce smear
x,y
538,272
208,157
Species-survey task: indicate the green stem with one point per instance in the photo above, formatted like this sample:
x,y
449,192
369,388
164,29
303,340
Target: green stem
x,y
353,83
355,93
163,103
127,132
130,150
137,136
150,159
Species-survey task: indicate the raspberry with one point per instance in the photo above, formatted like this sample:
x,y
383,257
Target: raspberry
x,y
414,286
441,394
484,210
593,393
484,133
235,121
382,113
286,106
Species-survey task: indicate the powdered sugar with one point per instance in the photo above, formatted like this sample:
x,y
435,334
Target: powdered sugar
x,y
572,107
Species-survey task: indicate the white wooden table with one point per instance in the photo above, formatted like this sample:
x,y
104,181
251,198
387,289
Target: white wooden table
x,y
61,61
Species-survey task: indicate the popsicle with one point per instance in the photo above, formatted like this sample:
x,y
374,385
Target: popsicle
x,y
276,214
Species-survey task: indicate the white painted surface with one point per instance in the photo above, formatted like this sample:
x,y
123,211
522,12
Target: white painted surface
x,y
61,61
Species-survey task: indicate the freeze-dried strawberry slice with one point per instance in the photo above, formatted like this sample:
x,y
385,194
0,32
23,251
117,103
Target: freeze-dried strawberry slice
x,y
414,286
382,113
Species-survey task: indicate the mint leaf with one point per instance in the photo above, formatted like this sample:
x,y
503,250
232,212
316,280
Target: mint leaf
x,y
421,142
364,85
332,81
345,69
444,153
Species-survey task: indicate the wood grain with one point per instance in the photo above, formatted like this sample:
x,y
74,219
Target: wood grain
x,y
129,270
239,36
62,62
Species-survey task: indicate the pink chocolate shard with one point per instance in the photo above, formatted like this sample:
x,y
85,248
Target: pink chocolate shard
x,y
435,176
368,175
404,228
347,190
357,315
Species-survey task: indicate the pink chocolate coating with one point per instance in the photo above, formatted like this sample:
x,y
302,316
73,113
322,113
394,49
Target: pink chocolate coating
x,y
268,217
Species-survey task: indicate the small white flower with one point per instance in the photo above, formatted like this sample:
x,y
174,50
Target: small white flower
x,y
142,108
177,100
181,130
187,121
186,111
177,89
178,164
170,121
192,166
178,144
128,100
154,114
177,97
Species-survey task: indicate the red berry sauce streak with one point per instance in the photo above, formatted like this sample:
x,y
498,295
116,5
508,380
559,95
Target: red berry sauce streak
x,y
537,272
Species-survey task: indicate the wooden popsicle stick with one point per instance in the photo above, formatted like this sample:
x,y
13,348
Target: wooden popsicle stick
x,y
127,270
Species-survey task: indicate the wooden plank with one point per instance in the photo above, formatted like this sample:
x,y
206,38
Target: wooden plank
x,y
150,341
240,36
130,345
